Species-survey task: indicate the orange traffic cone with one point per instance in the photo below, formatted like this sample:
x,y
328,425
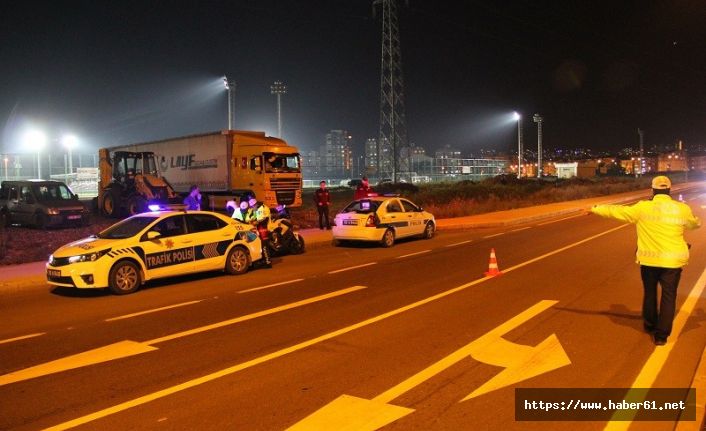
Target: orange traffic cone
x,y
493,265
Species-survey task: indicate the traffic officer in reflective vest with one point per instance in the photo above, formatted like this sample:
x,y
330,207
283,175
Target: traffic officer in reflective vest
x,y
661,251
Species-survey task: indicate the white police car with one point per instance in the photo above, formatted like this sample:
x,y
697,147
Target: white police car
x,y
154,245
382,219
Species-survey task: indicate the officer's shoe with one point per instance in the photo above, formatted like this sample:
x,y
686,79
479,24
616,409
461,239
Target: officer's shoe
x,y
648,328
659,340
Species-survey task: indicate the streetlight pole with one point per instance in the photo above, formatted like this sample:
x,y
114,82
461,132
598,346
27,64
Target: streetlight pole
x,y
538,119
69,142
278,89
518,118
36,140
230,86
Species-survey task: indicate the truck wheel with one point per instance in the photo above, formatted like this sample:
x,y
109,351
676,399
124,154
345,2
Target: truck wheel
x,y
110,205
124,278
238,261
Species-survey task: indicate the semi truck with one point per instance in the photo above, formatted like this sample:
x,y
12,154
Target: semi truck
x,y
227,164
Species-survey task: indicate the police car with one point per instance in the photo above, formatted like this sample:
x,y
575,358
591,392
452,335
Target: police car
x,y
154,245
382,219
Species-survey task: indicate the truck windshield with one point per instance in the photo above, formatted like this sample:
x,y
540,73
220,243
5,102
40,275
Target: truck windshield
x,y
52,192
281,162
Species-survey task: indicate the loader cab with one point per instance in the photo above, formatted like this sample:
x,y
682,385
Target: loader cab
x,y
127,164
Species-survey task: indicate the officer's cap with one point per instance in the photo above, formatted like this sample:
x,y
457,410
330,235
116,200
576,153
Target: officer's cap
x,y
661,183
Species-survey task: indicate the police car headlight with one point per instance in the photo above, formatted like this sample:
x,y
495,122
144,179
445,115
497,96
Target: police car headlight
x,y
53,211
90,257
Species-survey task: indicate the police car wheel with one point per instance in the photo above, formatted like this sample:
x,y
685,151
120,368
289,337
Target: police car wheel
x,y
238,261
124,278
428,231
388,238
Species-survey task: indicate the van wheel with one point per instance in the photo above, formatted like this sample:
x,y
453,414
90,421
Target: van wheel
x,y
238,261
124,278
40,221
388,238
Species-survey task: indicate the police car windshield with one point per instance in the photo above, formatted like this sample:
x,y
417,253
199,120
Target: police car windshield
x,y
362,206
126,228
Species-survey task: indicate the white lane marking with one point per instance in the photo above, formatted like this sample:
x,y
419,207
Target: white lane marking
x,y
256,315
558,220
459,243
491,236
254,289
352,267
154,310
659,356
522,228
24,337
413,254
304,344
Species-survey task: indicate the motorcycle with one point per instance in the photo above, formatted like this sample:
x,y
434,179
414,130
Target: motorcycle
x,y
277,234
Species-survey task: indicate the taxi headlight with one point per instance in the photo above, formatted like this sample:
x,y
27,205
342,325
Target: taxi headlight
x,y
90,257
53,211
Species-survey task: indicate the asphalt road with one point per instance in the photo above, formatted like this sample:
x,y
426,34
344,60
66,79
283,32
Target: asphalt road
x,y
414,337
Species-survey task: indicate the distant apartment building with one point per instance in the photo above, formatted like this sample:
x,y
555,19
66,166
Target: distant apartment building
x,y
336,155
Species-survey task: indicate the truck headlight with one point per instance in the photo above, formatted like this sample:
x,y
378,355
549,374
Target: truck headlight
x,y
90,257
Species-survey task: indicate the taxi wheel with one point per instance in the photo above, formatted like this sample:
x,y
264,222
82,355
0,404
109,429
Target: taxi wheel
x,y
388,238
124,278
238,261
428,231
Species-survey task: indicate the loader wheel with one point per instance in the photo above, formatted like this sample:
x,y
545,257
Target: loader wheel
x,y
110,205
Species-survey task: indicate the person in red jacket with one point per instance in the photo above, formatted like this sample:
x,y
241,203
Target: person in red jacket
x,y
362,190
322,199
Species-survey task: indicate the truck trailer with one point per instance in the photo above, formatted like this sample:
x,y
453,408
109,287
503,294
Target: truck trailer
x,y
227,164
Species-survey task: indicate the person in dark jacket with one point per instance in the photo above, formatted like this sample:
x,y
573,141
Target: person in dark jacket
x,y
322,199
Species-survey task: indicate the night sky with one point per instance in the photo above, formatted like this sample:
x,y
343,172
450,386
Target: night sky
x,y
120,72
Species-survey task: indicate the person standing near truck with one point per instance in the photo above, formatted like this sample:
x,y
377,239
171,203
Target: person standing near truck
x,y
193,199
322,199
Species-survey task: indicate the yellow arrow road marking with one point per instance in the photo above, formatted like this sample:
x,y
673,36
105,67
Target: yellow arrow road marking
x,y
127,348
352,413
121,349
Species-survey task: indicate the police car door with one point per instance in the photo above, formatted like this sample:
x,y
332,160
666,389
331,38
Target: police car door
x,y
394,216
172,253
210,240
414,216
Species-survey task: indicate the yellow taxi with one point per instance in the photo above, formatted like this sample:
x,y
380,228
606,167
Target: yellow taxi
x,y
382,219
154,245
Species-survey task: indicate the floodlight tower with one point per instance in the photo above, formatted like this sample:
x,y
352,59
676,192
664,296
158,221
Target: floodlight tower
x,y
278,89
518,118
642,154
538,119
393,127
230,87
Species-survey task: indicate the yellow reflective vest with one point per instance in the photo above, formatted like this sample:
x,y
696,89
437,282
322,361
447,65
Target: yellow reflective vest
x,y
660,226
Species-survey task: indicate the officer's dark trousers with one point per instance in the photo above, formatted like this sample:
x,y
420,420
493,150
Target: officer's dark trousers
x,y
323,216
668,279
